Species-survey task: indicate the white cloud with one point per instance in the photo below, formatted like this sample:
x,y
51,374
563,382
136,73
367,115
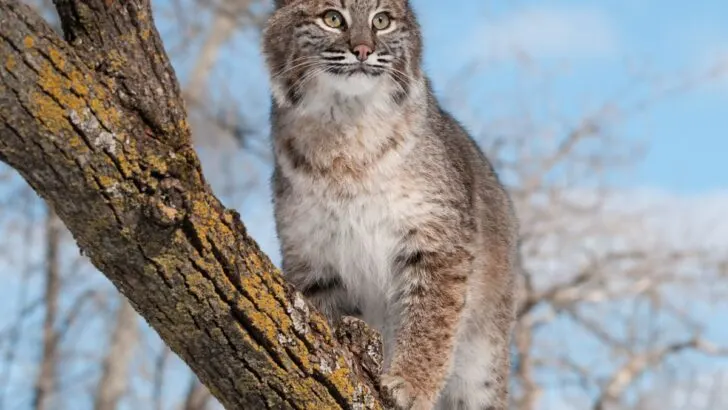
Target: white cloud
x,y
548,33
697,221
649,216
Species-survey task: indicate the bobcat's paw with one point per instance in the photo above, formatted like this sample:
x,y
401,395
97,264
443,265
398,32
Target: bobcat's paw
x,y
403,395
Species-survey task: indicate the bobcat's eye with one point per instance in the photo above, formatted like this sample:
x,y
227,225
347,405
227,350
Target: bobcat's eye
x,y
381,21
333,19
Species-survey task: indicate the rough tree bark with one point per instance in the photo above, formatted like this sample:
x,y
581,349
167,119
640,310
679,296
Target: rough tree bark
x,y
96,125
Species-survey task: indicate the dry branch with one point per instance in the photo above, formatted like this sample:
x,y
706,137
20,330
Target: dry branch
x,y
639,363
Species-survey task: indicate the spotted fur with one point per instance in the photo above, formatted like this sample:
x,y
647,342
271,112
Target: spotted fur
x,y
385,207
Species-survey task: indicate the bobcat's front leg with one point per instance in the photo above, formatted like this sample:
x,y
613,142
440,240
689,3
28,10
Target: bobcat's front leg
x,y
322,287
429,304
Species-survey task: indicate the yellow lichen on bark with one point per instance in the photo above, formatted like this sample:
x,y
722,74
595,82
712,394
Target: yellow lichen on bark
x,y
69,94
59,87
341,377
57,58
157,163
10,63
52,115
63,96
114,61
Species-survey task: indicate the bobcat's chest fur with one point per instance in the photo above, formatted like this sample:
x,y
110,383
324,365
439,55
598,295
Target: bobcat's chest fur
x,y
351,218
358,238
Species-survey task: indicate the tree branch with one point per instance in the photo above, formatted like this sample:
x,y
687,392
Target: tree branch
x,y
96,125
638,364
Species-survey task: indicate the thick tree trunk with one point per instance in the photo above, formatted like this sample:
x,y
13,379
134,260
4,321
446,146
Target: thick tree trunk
x,y
97,127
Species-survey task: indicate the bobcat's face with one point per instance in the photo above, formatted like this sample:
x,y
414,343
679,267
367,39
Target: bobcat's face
x,y
351,46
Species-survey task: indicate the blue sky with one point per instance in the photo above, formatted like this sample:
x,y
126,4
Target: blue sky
x,y
601,42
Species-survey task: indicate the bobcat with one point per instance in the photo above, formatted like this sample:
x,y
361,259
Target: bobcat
x,y
385,207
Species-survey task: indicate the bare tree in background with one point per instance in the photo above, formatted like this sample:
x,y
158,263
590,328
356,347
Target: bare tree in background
x,y
592,267
198,397
227,17
115,374
46,384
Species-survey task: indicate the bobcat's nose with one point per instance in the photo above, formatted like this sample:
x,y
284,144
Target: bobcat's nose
x,y
362,52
